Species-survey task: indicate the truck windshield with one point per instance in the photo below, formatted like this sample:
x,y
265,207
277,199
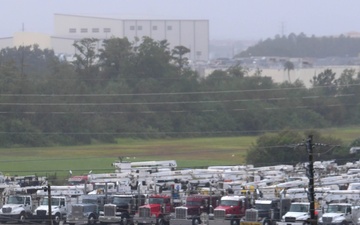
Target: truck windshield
x,y
299,208
156,200
99,186
229,202
54,201
89,200
121,200
15,200
263,206
193,203
336,209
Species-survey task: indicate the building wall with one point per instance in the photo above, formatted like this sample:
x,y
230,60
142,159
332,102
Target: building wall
x,y
6,42
63,45
81,26
26,39
193,34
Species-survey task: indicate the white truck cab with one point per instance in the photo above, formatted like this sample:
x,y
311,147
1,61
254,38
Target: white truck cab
x,y
298,213
17,208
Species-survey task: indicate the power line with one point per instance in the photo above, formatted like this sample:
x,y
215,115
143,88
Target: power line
x,y
173,93
168,103
171,111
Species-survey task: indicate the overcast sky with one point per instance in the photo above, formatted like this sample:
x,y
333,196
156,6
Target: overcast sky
x,y
228,19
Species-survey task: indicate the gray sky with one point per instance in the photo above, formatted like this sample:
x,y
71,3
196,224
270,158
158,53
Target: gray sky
x,y
229,19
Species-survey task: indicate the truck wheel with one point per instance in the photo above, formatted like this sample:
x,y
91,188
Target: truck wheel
x,y
234,222
267,222
91,220
57,219
161,222
124,221
22,217
196,221
344,223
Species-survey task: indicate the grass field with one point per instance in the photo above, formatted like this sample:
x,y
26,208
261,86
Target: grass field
x,y
192,152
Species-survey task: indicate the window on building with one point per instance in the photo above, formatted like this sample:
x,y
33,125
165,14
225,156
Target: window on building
x,y
95,30
198,53
83,30
107,30
154,27
169,27
139,27
132,27
72,30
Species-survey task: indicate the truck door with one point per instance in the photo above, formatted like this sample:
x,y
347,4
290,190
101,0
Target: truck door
x,y
348,214
241,210
28,204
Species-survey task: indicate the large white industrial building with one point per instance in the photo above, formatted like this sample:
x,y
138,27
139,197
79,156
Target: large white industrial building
x,y
193,34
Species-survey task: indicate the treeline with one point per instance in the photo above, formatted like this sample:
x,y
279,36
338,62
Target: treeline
x,y
116,88
301,46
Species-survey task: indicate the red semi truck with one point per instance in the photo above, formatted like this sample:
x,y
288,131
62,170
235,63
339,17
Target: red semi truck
x,y
230,210
195,206
156,211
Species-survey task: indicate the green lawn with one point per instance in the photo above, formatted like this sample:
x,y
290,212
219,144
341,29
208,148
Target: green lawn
x,y
191,152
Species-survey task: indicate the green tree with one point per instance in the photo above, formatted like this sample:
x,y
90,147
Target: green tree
x,y
178,55
283,148
116,57
288,66
86,57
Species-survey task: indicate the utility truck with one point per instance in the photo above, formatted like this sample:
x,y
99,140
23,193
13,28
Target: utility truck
x,y
341,207
298,214
17,208
339,213
59,206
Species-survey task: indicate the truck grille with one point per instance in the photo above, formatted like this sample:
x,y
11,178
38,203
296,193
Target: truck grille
x,y
290,219
327,219
77,210
219,214
251,215
144,212
6,210
41,212
109,210
181,213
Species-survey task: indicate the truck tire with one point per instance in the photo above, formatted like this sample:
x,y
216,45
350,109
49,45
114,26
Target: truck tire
x,y
57,219
22,217
344,223
196,221
161,221
125,220
267,222
235,222
91,220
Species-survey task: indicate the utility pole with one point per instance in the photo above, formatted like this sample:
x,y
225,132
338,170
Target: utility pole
x,y
48,189
310,174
